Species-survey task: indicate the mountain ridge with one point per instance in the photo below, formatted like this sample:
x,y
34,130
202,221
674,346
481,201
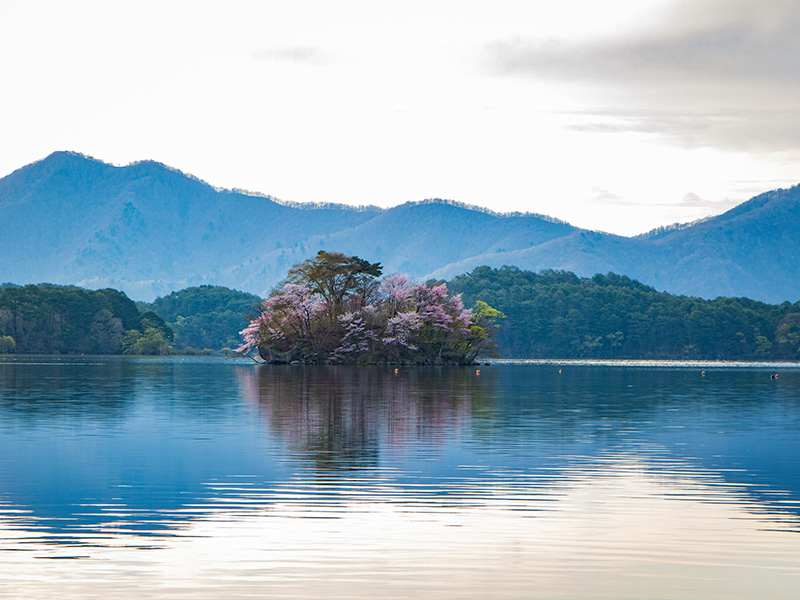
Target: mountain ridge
x,y
150,229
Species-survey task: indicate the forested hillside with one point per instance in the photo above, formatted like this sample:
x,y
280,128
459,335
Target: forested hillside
x,y
555,314
50,319
206,317
149,230
550,314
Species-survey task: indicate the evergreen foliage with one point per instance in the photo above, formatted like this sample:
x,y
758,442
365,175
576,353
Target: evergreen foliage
x,y
550,314
206,317
46,319
555,314
334,276
149,341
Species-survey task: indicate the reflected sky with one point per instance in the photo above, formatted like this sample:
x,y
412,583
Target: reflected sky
x,y
208,477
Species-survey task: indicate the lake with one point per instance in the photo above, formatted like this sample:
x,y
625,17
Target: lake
x,y
219,478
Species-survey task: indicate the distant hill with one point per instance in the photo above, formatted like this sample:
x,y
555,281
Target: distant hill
x,y
205,317
48,319
750,251
148,230
555,314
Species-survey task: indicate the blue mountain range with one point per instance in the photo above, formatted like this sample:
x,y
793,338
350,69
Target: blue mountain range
x,y
149,229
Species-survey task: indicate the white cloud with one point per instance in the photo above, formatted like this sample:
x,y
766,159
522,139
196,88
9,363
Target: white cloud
x,y
722,74
296,54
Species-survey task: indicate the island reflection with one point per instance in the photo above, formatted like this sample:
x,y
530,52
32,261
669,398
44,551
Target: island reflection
x,y
101,448
342,417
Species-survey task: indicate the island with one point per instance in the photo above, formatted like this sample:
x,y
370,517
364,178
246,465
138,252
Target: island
x,y
333,308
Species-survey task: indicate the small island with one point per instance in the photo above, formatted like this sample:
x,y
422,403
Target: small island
x,y
334,309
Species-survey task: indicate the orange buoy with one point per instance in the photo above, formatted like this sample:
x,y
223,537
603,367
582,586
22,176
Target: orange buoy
x,y
395,371
478,372
704,373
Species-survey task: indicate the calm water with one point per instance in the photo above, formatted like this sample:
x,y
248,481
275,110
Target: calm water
x,y
210,478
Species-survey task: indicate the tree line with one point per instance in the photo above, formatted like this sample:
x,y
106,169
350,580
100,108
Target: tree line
x,y
51,319
205,318
550,314
556,314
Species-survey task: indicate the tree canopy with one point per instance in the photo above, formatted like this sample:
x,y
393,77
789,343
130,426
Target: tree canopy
x,y
334,310
334,276
550,314
555,314
46,319
205,318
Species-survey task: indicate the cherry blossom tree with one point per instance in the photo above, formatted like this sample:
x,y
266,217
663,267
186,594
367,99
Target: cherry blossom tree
x,y
352,318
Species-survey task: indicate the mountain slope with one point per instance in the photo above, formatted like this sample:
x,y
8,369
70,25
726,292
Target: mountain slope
x,y
148,229
751,250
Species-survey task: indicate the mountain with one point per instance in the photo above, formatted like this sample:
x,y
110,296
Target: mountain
x,y
752,250
148,229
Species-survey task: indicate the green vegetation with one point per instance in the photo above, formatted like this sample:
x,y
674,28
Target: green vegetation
x,y
555,314
550,314
205,319
334,310
7,344
47,319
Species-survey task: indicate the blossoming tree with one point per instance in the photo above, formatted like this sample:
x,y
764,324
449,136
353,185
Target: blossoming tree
x,y
334,310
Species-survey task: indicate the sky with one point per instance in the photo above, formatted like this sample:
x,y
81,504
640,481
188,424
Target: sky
x,y
619,116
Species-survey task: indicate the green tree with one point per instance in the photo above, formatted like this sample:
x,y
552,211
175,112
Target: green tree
x,y
152,320
48,318
204,317
149,342
554,314
482,330
763,346
336,277
787,336
7,344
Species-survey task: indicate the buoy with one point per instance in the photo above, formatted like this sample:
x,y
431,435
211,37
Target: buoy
x,y
478,372
559,370
704,373
395,371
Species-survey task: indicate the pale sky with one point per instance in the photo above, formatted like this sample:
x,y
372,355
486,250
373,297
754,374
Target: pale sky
x,y
621,115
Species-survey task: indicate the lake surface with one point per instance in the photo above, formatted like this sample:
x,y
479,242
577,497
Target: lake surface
x,y
218,478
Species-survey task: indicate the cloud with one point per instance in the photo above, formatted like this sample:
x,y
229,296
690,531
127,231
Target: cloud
x,y
692,200
721,73
293,54
746,130
604,196
719,41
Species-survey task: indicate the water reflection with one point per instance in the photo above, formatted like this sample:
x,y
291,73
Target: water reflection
x,y
343,417
44,388
362,482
